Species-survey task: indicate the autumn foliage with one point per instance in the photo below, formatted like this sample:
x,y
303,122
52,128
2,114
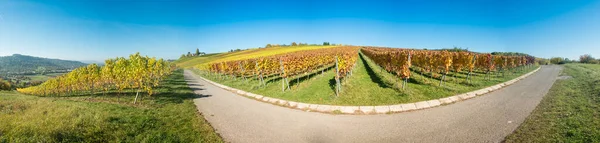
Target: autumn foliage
x,y
396,60
136,72
289,64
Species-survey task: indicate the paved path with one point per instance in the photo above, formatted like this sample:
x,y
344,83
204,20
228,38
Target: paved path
x,y
487,118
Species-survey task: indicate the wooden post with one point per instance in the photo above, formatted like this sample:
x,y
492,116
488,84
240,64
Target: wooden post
x,y
322,69
503,72
469,75
406,79
287,80
442,79
490,69
262,78
221,73
282,74
257,73
242,68
337,77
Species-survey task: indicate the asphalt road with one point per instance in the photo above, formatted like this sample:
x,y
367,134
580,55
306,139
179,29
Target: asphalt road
x,y
487,118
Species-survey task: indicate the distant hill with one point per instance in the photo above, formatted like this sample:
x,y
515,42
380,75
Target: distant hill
x,y
100,63
19,64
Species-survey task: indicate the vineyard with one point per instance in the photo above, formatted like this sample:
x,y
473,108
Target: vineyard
x,y
290,65
351,75
138,73
401,61
205,60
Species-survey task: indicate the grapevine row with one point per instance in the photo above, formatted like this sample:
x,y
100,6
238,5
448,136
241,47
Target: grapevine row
x,y
399,61
289,64
137,72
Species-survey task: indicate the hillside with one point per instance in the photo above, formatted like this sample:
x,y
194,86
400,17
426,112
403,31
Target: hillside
x,y
23,64
239,55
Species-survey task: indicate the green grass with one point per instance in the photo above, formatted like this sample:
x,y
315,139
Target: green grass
x,y
368,85
43,77
169,116
240,55
570,112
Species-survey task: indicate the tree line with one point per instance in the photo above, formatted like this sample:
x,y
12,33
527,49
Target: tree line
x,y
195,54
586,59
298,44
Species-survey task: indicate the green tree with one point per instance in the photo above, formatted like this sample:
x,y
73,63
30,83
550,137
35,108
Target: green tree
x,y
587,58
557,60
197,52
4,85
294,44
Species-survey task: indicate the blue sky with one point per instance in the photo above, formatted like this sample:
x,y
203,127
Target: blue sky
x,y
96,30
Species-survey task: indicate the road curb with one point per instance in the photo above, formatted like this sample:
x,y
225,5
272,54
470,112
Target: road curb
x,y
381,109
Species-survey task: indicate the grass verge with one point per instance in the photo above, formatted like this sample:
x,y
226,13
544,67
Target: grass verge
x,y
570,112
170,116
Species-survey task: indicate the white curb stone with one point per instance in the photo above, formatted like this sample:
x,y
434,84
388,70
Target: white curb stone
x,y
292,104
258,96
241,92
366,109
433,103
273,100
409,106
266,99
313,106
382,109
422,105
396,108
463,96
283,102
333,108
454,98
467,96
472,93
481,92
302,106
496,87
324,108
349,109
445,100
